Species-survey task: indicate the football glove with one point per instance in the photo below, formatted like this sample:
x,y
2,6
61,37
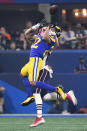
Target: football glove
x,y
58,31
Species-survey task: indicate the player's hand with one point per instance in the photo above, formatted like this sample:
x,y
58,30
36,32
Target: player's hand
x,y
58,35
58,31
35,27
57,28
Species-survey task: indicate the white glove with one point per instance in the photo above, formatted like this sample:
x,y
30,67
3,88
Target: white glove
x,y
50,70
35,27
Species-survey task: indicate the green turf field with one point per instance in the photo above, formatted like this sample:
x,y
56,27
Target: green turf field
x,y
52,124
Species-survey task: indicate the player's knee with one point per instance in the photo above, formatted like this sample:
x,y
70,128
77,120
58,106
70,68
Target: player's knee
x,y
33,83
21,74
47,97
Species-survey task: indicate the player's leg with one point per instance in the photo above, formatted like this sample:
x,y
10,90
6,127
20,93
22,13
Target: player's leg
x,y
38,100
71,97
39,119
24,77
43,85
35,65
30,97
50,96
54,96
33,68
43,76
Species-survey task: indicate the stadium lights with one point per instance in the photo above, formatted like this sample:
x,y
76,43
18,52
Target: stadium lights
x,y
63,11
76,12
84,12
80,12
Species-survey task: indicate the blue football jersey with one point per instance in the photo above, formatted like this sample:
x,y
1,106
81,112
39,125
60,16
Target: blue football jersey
x,y
40,47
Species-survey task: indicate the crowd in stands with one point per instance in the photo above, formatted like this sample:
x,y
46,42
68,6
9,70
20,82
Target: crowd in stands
x,y
14,40
81,67
71,38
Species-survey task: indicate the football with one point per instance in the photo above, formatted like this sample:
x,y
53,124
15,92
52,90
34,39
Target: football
x,y
54,9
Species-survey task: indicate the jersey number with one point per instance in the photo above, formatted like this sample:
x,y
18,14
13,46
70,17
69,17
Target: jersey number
x,y
36,42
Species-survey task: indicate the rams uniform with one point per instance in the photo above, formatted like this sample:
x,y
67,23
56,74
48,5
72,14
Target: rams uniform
x,y
38,51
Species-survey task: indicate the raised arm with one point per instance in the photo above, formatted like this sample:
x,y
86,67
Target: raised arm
x,y
57,42
52,31
46,35
30,33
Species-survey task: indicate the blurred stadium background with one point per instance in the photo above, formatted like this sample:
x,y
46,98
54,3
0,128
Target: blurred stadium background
x,y
18,15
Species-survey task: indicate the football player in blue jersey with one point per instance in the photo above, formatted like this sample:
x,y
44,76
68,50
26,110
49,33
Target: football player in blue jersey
x,y
43,73
30,72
